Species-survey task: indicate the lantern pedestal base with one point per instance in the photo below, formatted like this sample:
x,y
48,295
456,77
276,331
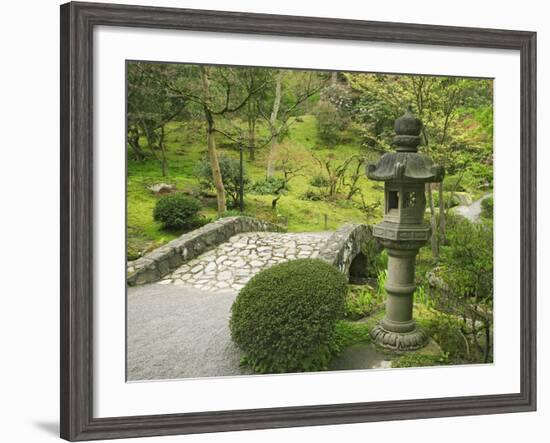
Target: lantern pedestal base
x,y
399,341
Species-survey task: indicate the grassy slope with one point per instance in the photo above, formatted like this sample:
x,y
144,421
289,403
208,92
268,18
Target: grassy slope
x,y
185,146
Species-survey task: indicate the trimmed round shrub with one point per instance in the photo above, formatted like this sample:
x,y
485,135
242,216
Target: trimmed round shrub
x,y
284,318
176,211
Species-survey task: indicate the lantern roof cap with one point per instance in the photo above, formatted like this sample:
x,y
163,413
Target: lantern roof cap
x,y
406,164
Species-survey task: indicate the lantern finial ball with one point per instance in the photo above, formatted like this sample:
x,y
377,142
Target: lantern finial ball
x,y
407,132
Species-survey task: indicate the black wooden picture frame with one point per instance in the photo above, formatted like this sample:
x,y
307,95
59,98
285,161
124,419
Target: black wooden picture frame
x,y
77,23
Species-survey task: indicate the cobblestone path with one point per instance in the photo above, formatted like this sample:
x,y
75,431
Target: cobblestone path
x,y
232,264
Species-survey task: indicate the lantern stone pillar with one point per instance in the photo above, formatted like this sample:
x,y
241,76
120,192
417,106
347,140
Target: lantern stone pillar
x,y
403,230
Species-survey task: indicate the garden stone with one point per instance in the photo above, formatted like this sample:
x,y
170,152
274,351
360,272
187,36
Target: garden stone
x,y
161,188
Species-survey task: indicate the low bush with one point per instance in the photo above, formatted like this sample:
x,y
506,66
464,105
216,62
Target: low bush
x,y
311,195
271,185
319,181
176,211
329,123
454,183
284,319
361,302
446,331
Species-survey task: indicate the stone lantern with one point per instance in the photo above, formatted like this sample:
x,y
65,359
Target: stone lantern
x,y
403,231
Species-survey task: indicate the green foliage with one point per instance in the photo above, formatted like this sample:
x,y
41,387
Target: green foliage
x,y
269,186
361,302
311,195
455,133
176,211
378,264
330,123
446,330
466,291
487,207
452,199
480,175
350,333
284,318
381,281
421,296
230,170
416,360
319,181
132,251
454,183
468,261
234,213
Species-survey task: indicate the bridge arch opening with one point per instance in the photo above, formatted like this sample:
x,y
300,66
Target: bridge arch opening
x,y
358,270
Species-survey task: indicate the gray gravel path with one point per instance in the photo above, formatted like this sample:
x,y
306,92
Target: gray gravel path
x,y
176,332
473,211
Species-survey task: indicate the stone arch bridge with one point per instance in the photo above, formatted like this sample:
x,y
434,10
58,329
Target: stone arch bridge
x,y
225,254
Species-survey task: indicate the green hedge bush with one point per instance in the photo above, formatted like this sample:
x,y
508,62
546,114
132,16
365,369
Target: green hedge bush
x,y
176,211
284,318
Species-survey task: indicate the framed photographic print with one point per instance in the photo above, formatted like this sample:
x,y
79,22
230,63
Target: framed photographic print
x,y
273,221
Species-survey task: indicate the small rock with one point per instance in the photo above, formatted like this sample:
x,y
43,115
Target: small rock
x,y
161,188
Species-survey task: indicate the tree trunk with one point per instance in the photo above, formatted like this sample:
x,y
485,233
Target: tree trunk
x,y
216,172
433,222
271,159
272,123
133,141
251,132
162,148
442,236
155,142
211,142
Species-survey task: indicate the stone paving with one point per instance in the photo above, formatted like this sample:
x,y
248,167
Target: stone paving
x,y
232,264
